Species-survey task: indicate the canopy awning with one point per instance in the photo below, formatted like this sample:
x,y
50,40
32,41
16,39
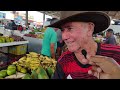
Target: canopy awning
x,y
112,14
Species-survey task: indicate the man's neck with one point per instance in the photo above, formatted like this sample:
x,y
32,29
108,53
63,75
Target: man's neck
x,y
90,47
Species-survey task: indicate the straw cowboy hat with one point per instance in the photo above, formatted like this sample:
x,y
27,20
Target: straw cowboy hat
x,y
100,19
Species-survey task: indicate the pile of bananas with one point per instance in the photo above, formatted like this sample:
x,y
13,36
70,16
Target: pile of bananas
x,y
47,62
33,60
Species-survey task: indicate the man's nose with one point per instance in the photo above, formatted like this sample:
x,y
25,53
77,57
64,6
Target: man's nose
x,y
65,35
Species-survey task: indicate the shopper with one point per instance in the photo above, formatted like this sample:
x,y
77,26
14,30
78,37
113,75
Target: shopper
x,y
59,42
110,39
28,26
13,25
77,30
1,24
20,28
7,26
49,44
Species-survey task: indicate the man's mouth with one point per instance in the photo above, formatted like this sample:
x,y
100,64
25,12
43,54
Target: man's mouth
x,y
69,43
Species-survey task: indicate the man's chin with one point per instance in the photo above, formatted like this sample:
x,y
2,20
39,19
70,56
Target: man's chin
x,y
71,50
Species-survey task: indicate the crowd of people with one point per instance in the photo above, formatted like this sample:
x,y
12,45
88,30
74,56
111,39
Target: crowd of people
x,y
11,25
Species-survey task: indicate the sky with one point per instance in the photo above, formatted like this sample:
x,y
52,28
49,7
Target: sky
x,y
38,16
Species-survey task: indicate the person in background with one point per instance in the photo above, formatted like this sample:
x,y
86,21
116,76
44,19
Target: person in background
x,y
20,28
13,25
0,23
41,26
110,39
59,42
84,54
49,44
3,24
27,26
8,25
117,39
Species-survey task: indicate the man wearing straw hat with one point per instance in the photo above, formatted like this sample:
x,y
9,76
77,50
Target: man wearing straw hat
x,y
85,59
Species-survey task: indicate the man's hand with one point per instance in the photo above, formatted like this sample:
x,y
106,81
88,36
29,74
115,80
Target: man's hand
x,y
104,67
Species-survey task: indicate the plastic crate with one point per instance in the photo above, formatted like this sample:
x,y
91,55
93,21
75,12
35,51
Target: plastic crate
x,y
18,50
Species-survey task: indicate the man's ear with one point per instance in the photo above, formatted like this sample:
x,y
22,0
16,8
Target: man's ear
x,y
90,28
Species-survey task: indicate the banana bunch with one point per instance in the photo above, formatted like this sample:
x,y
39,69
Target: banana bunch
x,y
29,61
21,62
34,63
33,60
33,54
47,62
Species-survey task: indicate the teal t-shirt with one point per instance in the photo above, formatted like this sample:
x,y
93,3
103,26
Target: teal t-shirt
x,y
50,36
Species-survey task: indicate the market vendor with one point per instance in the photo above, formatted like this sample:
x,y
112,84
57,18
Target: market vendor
x,y
84,54
110,38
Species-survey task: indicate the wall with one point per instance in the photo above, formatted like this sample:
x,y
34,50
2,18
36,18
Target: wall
x,y
116,28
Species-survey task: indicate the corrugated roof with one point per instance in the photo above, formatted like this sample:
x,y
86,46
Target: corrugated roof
x,y
113,14
52,13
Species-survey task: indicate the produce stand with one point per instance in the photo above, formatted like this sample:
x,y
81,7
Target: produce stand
x,y
34,44
12,51
30,66
13,43
18,75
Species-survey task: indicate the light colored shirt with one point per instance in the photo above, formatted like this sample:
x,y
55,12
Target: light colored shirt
x,y
111,40
59,35
50,36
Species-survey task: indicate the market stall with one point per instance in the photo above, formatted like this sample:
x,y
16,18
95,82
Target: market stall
x,y
11,48
34,39
30,66
13,43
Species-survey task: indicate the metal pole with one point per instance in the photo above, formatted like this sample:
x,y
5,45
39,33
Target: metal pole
x,y
43,18
26,18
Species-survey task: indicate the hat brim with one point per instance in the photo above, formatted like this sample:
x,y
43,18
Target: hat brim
x,y
100,19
